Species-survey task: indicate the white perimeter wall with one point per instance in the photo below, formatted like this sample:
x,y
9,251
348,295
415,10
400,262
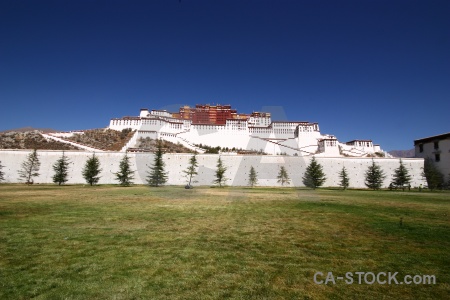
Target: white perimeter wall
x,y
238,167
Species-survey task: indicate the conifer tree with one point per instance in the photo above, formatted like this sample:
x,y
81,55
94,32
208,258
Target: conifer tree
x,y
61,168
2,174
125,174
374,176
345,181
448,182
314,176
401,176
220,173
157,176
91,170
30,167
191,170
252,177
283,176
433,176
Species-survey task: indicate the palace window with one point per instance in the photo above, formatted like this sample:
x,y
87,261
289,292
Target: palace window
x,y
437,157
436,145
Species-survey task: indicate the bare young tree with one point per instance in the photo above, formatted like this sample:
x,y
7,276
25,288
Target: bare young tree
x,y
220,173
252,177
191,170
345,181
30,167
283,176
2,174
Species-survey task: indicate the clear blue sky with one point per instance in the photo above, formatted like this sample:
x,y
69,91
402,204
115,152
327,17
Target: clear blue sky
x,y
362,69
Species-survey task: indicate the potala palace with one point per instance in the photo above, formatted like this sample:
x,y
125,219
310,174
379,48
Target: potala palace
x,y
220,125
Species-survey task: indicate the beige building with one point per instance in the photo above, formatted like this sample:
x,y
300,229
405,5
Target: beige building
x,y
438,149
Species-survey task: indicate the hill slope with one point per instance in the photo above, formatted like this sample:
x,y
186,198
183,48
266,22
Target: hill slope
x,y
30,140
28,129
402,153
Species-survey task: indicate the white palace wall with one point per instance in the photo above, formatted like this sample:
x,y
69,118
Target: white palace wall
x,y
279,137
238,166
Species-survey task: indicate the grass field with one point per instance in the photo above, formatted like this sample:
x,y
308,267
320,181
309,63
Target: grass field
x,y
107,242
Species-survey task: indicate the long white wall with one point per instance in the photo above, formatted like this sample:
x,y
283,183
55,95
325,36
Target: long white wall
x,y
238,167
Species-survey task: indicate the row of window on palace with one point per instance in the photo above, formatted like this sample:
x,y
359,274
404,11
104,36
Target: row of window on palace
x,y
285,125
330,143
125,122
361,144
286,131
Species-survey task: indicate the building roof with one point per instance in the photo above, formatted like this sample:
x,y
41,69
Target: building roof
x,y
433,138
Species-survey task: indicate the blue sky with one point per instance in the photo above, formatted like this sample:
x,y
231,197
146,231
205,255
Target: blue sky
x,y
362,69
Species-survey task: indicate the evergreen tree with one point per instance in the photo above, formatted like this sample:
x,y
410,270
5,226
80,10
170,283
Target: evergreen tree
x,y
125,174
401,176
314,176
433,176
252,177
157,176
345,181
374,176
283,176
448,182
191,170
91,170
61,168
30,167
2,174
220,173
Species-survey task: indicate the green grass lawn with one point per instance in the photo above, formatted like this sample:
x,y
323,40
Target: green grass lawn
x,y
107,242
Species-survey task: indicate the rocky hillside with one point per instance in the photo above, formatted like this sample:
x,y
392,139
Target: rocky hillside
x,y
105,139
150,145
30,140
